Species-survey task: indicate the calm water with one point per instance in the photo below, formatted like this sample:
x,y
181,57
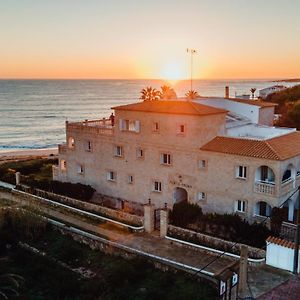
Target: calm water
x,y
33,112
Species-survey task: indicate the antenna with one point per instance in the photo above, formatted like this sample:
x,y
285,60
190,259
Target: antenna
x,y
192,52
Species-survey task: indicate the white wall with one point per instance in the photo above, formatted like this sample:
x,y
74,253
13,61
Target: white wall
x,y
249,111
280,257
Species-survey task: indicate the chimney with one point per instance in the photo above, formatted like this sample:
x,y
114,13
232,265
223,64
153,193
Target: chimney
x,y
227,92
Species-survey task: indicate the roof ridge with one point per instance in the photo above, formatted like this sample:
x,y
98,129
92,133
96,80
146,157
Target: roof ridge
x,y
268,144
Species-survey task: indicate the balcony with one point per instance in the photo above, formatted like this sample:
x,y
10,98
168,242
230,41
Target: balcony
x,y
102,126
264,187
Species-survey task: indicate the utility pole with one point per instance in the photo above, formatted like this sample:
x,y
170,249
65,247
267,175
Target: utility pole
x,y
297,237
192,52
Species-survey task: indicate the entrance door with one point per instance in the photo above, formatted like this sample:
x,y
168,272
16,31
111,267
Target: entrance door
x,y
180,195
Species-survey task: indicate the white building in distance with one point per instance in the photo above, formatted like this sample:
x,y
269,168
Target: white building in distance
x,y
270,90
221,153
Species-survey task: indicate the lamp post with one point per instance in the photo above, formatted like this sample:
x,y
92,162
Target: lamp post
x,y
192,52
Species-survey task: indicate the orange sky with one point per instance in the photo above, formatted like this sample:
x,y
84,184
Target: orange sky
x,y
148,39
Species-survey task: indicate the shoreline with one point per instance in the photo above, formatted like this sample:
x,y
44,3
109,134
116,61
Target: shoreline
x,y
27,153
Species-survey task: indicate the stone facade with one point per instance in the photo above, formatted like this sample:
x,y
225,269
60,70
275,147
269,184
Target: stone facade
x,y
127,164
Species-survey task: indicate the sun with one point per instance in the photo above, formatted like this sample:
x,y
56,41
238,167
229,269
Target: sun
x,y
172,72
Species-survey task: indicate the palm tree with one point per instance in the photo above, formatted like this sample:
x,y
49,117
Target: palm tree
x,y
252,90
192,94
150,94
167,92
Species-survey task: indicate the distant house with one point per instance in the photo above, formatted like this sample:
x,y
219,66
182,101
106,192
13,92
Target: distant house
x,y
270,90
221,153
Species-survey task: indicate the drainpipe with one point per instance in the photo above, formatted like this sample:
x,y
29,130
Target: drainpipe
x,y
297,236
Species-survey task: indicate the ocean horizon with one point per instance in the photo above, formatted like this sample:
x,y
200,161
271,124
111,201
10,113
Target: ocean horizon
x,y
33,111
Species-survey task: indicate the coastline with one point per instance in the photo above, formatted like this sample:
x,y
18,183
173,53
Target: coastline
x,y
24,153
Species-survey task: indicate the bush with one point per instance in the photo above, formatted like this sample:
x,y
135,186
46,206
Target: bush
x,y
185,213
226,226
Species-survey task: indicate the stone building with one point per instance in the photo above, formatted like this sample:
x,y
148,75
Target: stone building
x,y
220,153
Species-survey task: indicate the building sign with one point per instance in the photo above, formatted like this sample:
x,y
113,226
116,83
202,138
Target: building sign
x,y
181,184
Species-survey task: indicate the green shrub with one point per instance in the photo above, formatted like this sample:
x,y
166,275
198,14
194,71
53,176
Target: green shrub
x,y
185,213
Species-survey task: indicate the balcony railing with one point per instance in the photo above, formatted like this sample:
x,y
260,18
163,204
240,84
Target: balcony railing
x,y
263,187
102,126
287,186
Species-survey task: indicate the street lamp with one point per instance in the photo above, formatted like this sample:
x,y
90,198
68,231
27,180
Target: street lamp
x,y
192,52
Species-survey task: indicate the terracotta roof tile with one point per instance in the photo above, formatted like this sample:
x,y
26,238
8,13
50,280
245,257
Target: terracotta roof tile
x,y
281,242
278,148
172,107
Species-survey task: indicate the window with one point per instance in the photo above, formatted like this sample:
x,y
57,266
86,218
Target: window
x,y
111,176
118,151
80,169
165,159
181,129
241,172
157,186
240,206
63,165
88,146
202,164
130,179
129,125
155,127
71,143
201,196
139,153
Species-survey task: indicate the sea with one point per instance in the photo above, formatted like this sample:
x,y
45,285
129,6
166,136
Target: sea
x,y
33,112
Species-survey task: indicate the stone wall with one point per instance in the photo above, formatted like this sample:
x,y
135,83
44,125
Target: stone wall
x,y
104,211
212,242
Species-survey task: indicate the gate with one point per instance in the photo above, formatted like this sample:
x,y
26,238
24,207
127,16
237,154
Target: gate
x,y
156,219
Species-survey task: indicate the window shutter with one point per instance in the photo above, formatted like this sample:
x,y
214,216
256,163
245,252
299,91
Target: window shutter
x,y
121,124
137,126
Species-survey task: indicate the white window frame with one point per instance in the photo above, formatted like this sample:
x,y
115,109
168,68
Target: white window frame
x,y
71,142
80,169
179,129
240,206
157,186
88,146
166,159
129,125
118,151
111,176
241,172
63,165
201,196
130,179
140,153
155,127
202,164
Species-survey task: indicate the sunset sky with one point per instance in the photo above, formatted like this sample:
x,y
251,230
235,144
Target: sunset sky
x,y
148,39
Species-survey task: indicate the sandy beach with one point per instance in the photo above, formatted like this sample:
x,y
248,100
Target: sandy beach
x,y
27,153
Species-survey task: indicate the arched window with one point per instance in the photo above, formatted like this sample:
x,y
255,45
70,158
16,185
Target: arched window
x,y
289,173
265,174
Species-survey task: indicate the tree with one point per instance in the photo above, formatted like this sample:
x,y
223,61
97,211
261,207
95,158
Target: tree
x,y
253,90
167,92
150,94
192,94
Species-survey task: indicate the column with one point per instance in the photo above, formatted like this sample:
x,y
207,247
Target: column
x,y
149,217
164,214
18,178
